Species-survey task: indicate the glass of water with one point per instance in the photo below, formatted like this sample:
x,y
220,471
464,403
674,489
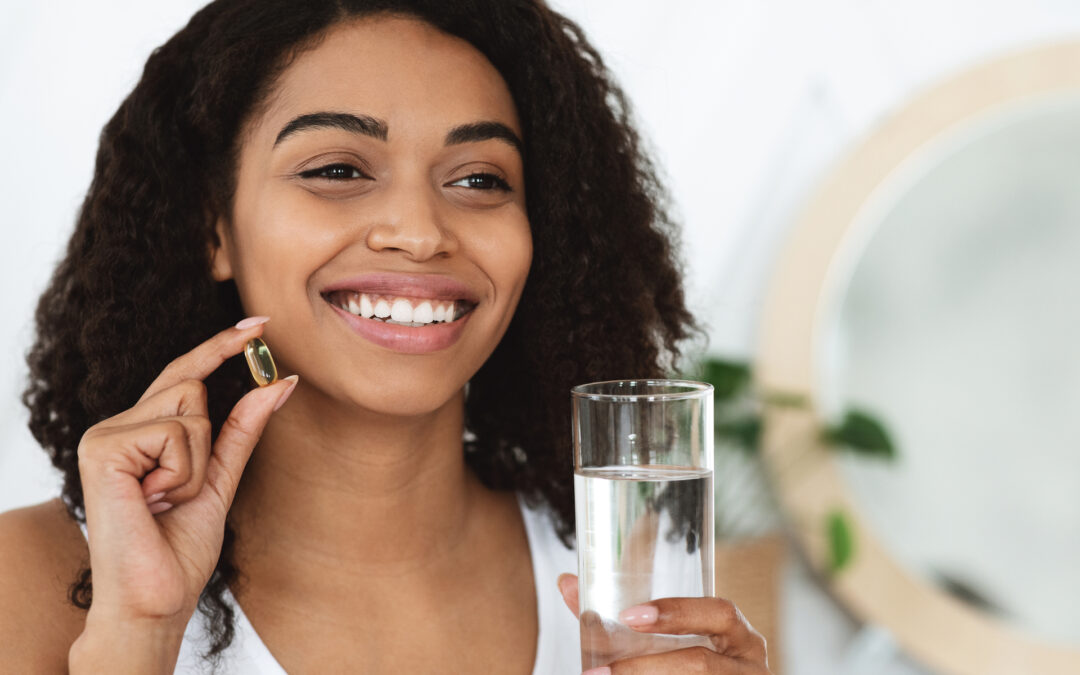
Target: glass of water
x,y
643,488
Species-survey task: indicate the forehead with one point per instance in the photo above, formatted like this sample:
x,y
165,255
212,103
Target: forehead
x,y
401,70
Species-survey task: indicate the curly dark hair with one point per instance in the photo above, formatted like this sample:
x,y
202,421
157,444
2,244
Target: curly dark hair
x,y
603,298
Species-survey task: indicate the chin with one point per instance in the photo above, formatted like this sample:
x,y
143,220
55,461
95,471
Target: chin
x,y
408,400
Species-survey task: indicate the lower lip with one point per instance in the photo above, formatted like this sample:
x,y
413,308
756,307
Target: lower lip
x,y
405,339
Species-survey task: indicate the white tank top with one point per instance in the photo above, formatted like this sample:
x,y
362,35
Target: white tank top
x,y
557,646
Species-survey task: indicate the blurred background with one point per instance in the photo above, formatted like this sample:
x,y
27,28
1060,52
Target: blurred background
x,y
942,306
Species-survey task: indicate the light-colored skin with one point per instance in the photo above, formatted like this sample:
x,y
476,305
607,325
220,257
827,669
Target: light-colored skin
x,y
365,543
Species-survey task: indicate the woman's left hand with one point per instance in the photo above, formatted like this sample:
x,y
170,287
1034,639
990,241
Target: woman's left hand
x,y
740,650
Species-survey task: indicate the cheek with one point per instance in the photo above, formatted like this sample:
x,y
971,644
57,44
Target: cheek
x,y
294,224
278,244
505,256
522,255
524,263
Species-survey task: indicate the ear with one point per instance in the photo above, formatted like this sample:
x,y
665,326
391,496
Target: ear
x,y
221,252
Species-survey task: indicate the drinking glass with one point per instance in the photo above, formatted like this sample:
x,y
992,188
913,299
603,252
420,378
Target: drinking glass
x,y
643,488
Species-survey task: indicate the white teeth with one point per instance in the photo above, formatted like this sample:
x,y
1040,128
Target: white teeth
x,y
423,313
401,311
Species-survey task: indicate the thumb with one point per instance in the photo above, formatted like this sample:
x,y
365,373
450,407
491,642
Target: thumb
x,y
239,435
568,586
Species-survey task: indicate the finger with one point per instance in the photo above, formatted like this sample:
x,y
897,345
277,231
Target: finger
x,y
568,586
691,661
239,435
164,454
133,450
717,618
186,397
208,356
178,484
112,462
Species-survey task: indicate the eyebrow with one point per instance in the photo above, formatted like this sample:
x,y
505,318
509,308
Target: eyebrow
x,y
483,131
357,124
376,128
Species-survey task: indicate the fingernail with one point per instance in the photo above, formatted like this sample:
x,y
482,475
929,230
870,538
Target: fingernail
x,y
602,670
158,507
639,615
288,392
252,321
154,497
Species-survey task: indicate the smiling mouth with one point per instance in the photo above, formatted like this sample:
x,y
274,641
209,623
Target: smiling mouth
x,y
400,310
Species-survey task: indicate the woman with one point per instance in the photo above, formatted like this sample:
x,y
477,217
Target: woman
x,y
314,167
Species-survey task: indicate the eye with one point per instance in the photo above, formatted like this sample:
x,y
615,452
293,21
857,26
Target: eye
x,y
483,181
335,172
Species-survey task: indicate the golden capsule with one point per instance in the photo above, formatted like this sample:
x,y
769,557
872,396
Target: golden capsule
x,y
260,362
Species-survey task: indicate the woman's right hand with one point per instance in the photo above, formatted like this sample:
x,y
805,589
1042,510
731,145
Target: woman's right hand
x,y
150,562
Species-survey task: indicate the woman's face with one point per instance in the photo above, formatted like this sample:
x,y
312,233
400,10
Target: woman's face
x,y
384,175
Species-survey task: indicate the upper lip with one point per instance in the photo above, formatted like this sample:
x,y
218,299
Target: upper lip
x,y
431,286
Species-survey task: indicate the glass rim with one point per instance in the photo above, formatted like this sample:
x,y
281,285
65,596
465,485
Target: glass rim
x,y
691,390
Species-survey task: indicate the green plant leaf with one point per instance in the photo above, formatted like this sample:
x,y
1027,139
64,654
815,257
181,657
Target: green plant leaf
x,y
745,432
728,378
841,540
863,434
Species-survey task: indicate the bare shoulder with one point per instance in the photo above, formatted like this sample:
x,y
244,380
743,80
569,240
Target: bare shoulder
x,y
41,552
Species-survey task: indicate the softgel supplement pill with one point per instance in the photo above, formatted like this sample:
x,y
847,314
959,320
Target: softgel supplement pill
x,y
260,362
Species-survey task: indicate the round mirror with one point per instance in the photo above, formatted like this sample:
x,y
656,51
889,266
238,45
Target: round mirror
x,y
931,282
958,323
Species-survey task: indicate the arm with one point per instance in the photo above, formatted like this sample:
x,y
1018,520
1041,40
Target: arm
x,y
41,551
114,646
41,631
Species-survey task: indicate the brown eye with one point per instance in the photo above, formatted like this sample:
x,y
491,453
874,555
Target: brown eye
x,y
334,172
483,181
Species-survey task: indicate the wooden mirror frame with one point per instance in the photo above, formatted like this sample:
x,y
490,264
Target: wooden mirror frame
x,y
931,626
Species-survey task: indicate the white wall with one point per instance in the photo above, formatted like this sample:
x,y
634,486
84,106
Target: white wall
x,y
64,68
745,102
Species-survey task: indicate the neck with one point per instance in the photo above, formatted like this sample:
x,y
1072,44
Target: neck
x,y
342,490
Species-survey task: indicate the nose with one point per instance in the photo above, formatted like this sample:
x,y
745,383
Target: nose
x,y
410,222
